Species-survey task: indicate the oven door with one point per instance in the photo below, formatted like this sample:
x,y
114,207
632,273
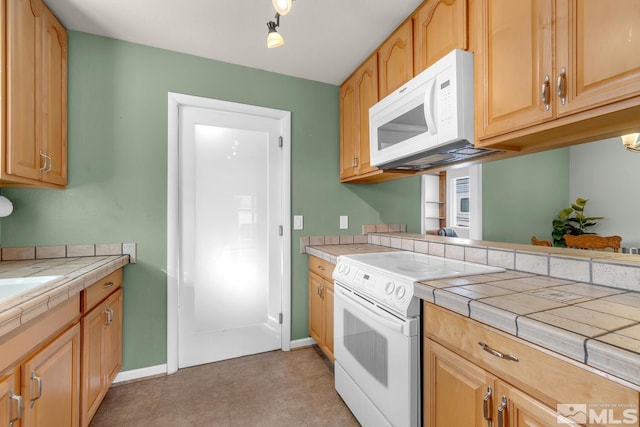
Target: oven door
x,y
377,361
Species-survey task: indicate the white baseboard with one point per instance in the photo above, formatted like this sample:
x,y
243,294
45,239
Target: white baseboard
x,y
304,342
136,374
150,371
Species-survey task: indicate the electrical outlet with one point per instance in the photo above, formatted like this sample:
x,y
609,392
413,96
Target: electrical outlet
x,y
344,222
298,222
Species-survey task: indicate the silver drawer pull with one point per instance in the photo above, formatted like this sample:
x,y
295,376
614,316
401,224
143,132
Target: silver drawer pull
x,y
496,353
108,285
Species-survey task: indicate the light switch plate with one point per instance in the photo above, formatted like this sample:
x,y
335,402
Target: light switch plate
x,y
298,222
344,222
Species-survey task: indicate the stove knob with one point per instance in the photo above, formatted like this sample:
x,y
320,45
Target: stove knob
x,y
343,269
400,292
389,288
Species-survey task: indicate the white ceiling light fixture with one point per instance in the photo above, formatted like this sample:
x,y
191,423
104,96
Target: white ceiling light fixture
x,y
282,6
274,39
632,142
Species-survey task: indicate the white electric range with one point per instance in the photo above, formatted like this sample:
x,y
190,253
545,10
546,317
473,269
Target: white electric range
x,y
377,331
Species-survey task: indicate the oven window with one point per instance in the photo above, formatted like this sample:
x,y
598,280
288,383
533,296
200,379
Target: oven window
x,y
367,346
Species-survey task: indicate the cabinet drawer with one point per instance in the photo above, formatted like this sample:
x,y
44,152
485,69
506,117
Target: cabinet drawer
x,y
321,267
541,373
100,290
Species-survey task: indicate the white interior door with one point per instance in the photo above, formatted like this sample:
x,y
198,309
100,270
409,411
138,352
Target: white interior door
x,y
231,253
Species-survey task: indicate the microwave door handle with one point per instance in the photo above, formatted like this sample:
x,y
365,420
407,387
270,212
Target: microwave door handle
x,y
429,106
367,311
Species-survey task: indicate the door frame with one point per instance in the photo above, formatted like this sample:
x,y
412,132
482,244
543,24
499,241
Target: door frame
x,y
175,101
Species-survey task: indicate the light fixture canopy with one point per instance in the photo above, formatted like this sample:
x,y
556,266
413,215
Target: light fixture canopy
x,y
282,6
632,142
274,39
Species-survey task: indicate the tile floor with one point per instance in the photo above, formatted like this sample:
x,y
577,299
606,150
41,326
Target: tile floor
x,y
277,388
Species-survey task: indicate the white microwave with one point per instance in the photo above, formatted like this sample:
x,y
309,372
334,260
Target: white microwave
x,y
429,120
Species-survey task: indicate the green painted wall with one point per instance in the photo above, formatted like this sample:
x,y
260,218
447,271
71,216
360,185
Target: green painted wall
x,y
117,158
522,195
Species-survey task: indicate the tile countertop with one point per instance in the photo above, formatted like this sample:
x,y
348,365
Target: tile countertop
x,y
78,272
595,325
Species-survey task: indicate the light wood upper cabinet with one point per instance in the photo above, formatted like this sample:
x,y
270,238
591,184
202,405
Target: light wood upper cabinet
x,y
439,26
34,96
395,59
553,73
512,60
598,52
357,95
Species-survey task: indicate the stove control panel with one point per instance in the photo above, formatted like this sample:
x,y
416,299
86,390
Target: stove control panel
x,y
389,291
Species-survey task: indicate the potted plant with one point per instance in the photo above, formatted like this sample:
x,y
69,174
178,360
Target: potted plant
x,y
572,221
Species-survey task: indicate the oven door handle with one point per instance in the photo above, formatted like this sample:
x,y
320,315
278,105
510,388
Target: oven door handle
x,y
396,325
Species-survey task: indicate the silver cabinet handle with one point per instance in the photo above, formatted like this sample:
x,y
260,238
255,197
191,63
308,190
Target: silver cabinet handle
x,y
501,408
38,380
108,285
562,86
545,93
44,161
486,405
50,163
496,353
18,399
109,312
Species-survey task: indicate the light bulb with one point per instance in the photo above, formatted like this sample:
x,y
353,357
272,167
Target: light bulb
x,y
282,6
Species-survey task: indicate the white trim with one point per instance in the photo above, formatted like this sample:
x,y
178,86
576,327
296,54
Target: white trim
x,y
302,342
175,100
136,374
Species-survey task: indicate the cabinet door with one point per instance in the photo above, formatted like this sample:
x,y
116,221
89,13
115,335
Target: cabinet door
x,y
395,59
512,61
328,320
50,383
454,389
357,95
367,96
24,127
54,99
11,402
113,338
598,51
348,128
439,26
315,308
518,409
94,324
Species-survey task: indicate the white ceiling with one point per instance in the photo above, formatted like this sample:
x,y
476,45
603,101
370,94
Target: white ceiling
x,y
325,40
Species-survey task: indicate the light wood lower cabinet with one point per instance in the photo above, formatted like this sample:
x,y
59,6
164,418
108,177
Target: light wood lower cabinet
x,y
11,402
321,304
56,368
467,385
101,342
50,383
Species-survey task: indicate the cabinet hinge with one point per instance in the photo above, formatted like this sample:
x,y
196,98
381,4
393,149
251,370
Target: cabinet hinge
x,y
280,141
280,318
280,230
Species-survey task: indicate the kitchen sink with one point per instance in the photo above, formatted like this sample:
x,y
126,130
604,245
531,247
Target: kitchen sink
x,y
13,286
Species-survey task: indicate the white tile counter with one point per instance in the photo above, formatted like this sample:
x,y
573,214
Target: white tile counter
x,y
582,304
80,266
